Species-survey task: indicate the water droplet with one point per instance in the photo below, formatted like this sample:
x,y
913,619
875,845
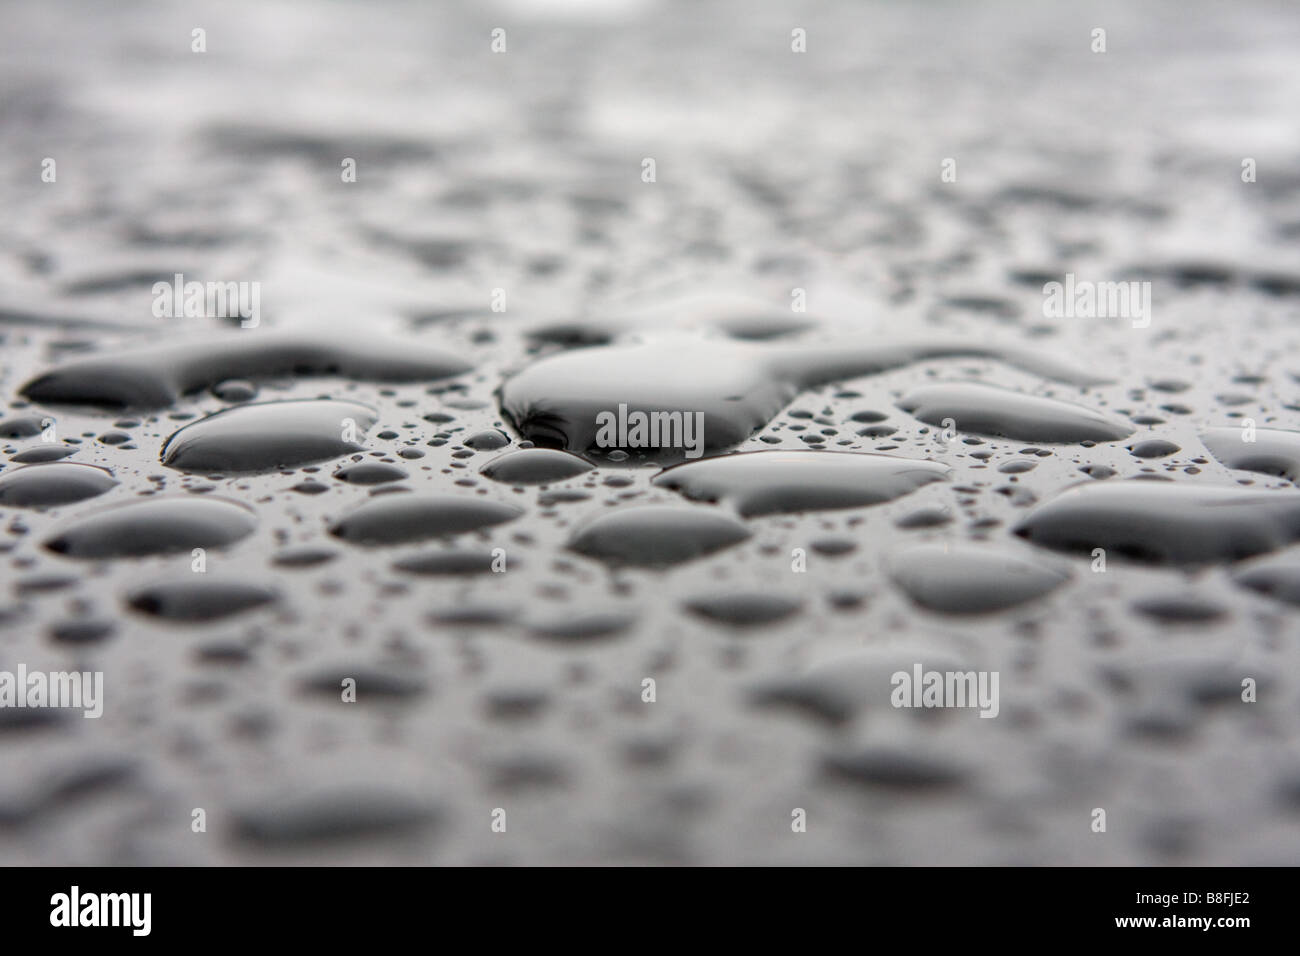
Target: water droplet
x,y
961,579
23,426
1163,522
925,518
155,526
156,377
82,630
305,557
199,598
1273,452
335,814
584,626
267,436
370,473
744,610
767,482
534,466
991,410
448,562
394,519
737,387
1278,577
1153,448
657,535
42,453
235,390
896,768
489,440
58,483
1178,608
380,685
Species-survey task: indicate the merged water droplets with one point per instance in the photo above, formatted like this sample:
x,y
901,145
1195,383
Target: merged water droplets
x,y
735,387
156,377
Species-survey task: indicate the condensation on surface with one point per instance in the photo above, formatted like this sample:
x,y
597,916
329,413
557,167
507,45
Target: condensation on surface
x,y
498,590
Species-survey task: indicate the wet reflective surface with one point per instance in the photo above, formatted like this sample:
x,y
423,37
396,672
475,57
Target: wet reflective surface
x,y
363,573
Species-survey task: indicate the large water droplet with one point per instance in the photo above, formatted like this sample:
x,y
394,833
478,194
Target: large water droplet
x,y
963,579
58,483
22,426
155,377
743,610
268,435
448,562
896,767
1277,577
765,482
737,387
1162,522
328,815
393,519
657,535
1272,452
199,598
155,526
535,466
991,410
